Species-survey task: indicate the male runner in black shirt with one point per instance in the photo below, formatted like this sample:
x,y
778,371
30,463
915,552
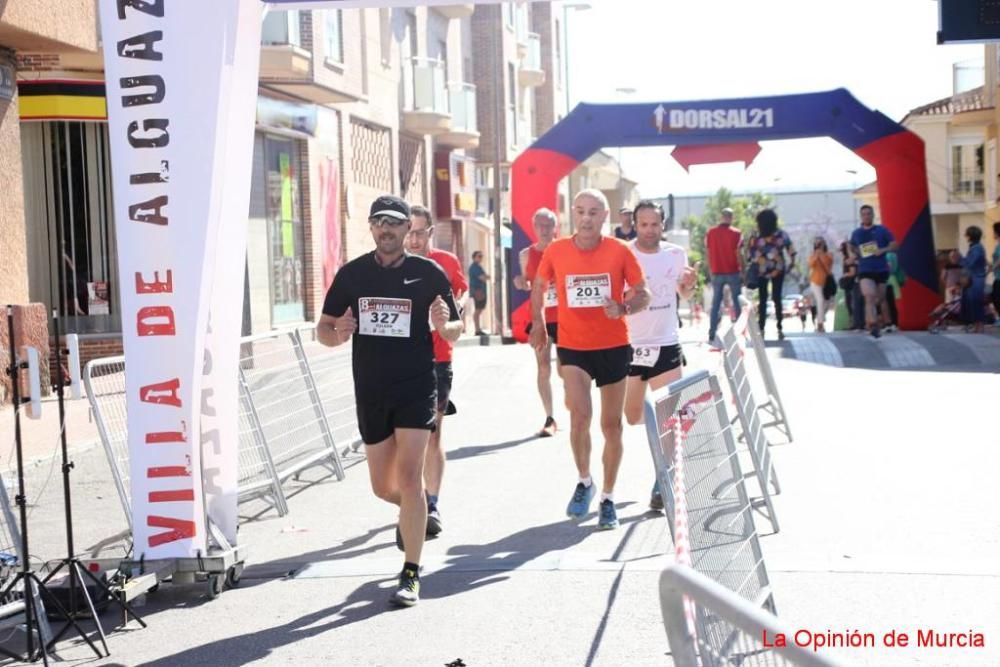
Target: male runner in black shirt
x,y
387,300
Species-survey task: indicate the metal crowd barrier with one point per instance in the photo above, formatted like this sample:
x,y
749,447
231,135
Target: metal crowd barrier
x,y
286,404
687,422
283,423
332,373
727,630
771,403
750,421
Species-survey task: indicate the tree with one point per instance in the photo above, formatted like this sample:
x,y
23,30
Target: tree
x,y
745,209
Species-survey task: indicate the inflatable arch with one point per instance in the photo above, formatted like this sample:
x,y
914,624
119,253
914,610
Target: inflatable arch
x,y
896,154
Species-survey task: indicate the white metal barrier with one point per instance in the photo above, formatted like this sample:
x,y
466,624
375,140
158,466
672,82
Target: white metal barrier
x,y
770,402
286,403
749,419
726,629
688,421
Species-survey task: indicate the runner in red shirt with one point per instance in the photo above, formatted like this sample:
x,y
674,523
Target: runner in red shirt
x,y
590,272
418,242
544,222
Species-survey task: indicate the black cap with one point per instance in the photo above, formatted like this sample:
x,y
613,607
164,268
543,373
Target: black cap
x,y
390,205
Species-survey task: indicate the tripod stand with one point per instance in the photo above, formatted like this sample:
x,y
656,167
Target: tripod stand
x,y
77,572
33,587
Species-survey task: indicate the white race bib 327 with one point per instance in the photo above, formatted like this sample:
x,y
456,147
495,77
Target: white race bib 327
x,y
646,355
588,291
384,317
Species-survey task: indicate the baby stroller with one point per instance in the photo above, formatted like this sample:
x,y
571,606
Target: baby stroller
x,y
949,312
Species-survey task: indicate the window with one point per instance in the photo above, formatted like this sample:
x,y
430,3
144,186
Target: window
x,y
277,186
334,35
281,28
967,182
67,192
508,14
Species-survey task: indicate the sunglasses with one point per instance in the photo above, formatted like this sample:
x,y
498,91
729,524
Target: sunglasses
x,y
387,221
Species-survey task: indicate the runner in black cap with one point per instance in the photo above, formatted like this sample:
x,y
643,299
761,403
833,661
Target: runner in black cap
x,y
387,301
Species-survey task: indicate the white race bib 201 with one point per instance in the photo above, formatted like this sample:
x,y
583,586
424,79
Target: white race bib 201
x,y
869,249
646,355
551,297
588,291
384,317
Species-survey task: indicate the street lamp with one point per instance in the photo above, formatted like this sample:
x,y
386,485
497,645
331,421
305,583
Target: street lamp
x,y
577,7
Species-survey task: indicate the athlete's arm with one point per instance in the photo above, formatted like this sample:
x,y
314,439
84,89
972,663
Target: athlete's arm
x,y
520,281
444,317
689,280
332,329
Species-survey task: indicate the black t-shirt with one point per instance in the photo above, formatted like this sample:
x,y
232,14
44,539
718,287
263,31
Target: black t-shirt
x,y
393,350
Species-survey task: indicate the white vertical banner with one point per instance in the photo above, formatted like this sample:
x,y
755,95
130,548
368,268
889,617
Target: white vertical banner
x,y
164,67
233,173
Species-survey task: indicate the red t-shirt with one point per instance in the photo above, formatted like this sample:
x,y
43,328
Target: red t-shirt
x,y
453,269
530,271
723,242
584,278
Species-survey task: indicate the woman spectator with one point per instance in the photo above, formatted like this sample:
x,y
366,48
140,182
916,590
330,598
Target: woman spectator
x,y
848,284
975,264
767,265
820,268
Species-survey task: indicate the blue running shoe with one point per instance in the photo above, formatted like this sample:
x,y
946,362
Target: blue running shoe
x,y
579,505
608,517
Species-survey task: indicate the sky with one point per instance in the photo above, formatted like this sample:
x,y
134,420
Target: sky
x,y
883,51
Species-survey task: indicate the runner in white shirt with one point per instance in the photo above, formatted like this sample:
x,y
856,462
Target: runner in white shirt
x,y
656,351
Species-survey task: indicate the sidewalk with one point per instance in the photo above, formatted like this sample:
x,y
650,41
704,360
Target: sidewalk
x,y
888,514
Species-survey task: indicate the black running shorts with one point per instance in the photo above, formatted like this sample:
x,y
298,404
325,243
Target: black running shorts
x,y
444,375
410,404
604,366
670,357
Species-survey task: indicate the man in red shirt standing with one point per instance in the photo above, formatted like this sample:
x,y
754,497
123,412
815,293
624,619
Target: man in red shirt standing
x,y
544,222
418,242
723,245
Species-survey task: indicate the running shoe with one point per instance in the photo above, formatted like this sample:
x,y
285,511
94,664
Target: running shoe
x,y
433,520
408,593
579,505
608,517
549,429
656,498
876,333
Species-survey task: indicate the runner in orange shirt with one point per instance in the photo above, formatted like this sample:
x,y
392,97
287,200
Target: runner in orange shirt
x,y
590,271
418,242
545,228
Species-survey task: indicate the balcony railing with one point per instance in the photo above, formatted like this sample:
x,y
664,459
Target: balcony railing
x,y
463,107
424,86
967,185
281,28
